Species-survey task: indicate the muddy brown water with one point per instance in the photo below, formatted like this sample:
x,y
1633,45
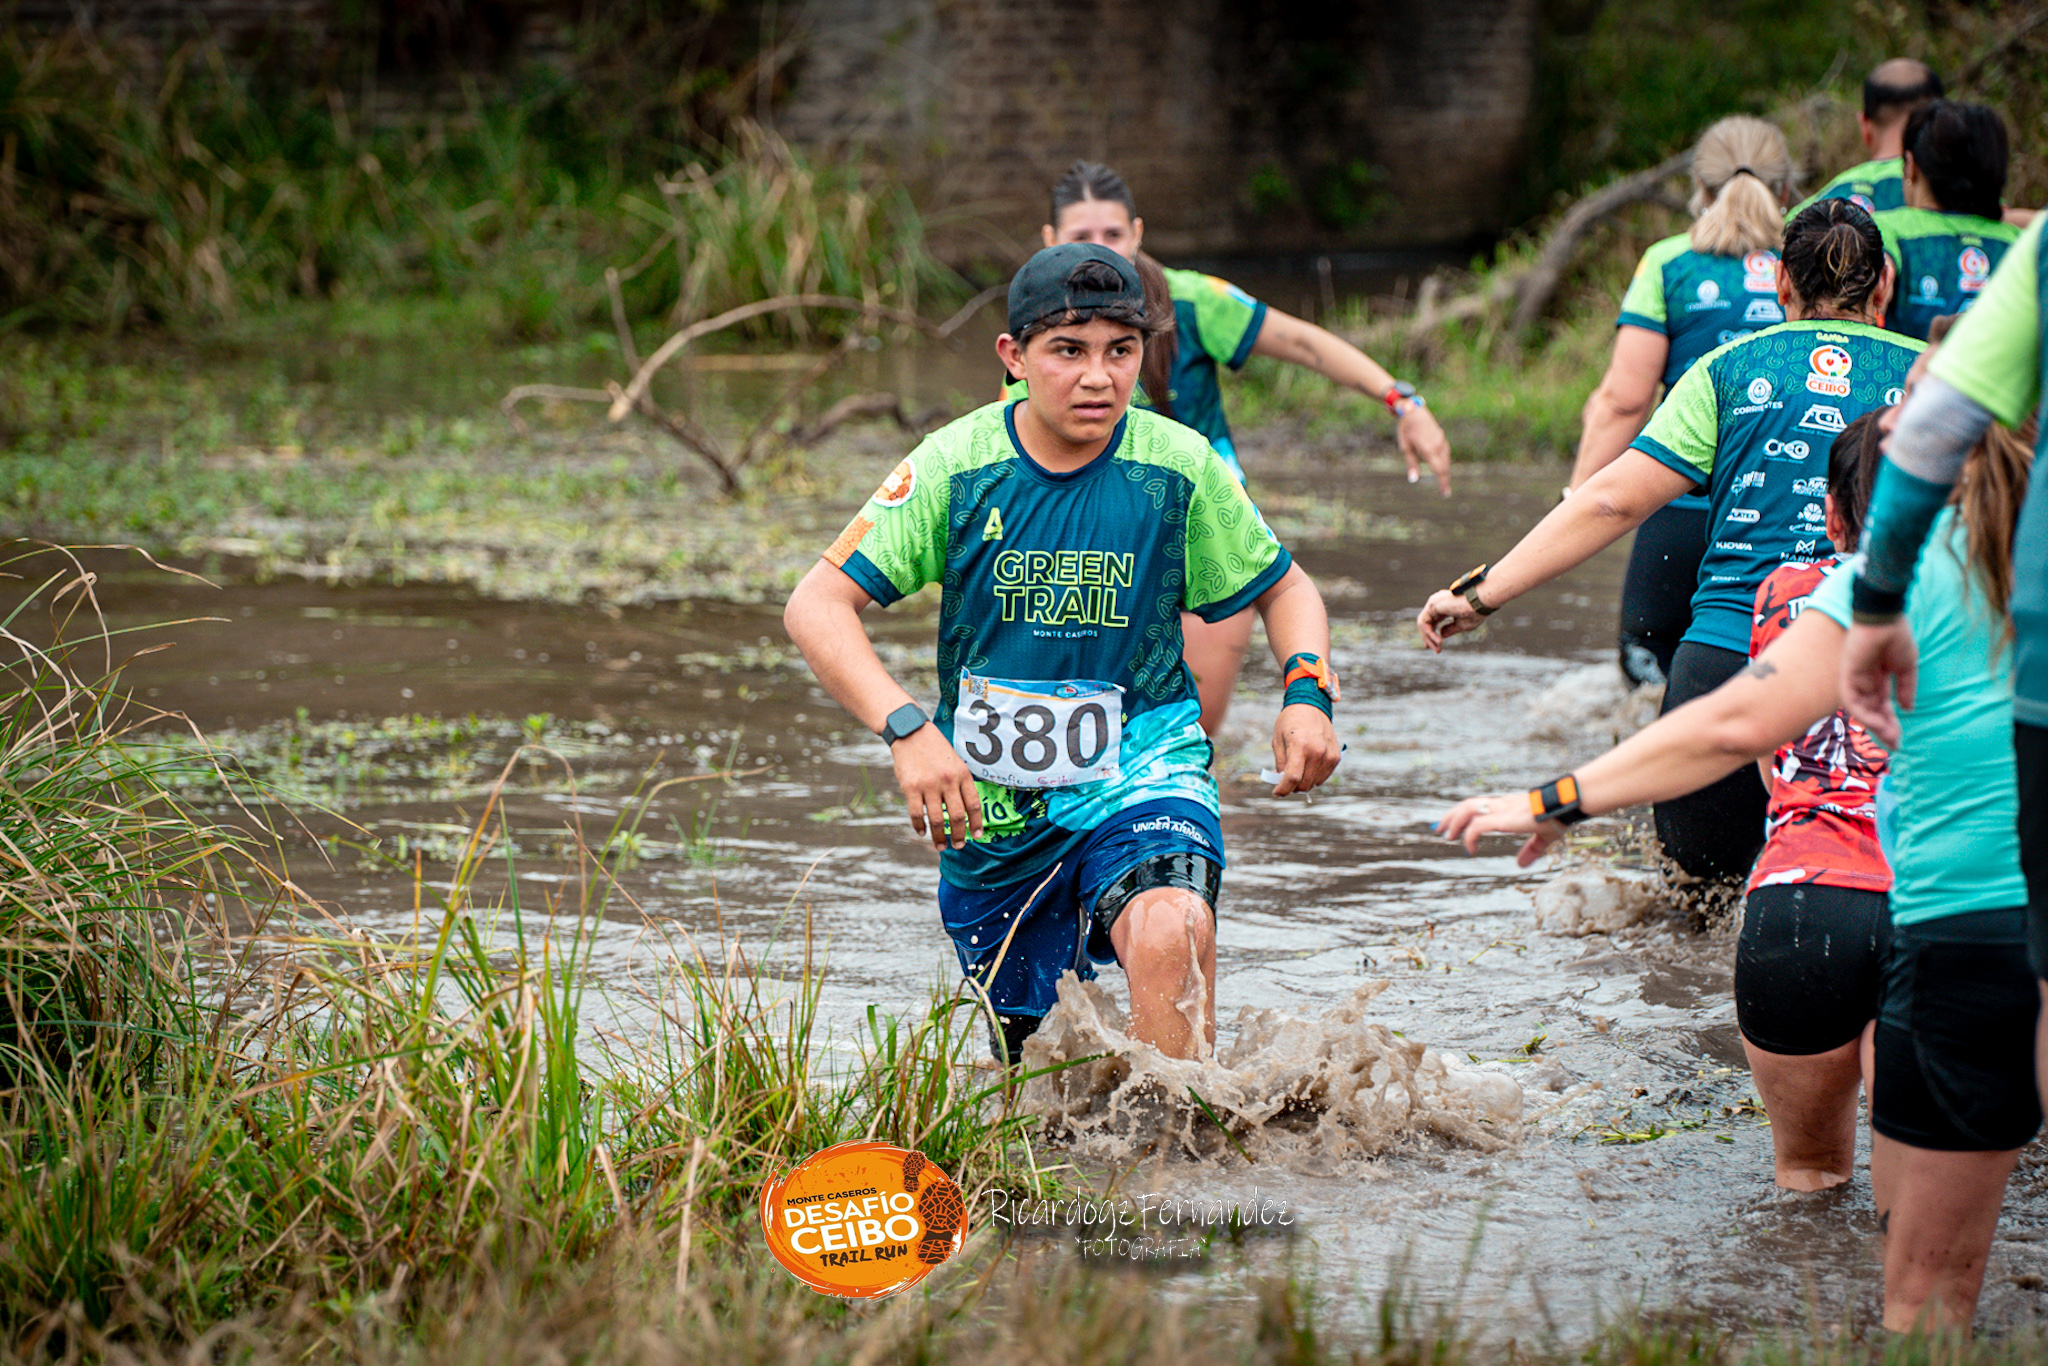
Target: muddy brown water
x,y
1637,1033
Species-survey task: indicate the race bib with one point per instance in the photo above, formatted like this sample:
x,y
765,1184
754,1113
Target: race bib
x,y
1039,734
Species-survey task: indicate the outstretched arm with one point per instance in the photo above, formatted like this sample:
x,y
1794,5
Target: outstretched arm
x,y
1616,411
1613,502
823,619
1773,701
1305,746
1297,341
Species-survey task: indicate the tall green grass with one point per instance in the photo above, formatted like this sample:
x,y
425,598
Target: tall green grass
x,y
188,191
215,1107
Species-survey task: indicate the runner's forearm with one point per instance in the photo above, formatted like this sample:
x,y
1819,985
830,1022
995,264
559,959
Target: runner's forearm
x,y
1299,342
1611,504
1923,459
1296,621
1771,703
823,621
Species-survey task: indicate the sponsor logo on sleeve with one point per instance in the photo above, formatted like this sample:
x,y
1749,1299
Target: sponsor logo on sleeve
x,y
1863,202
1775,449
1763,311
1823,417
1760,273
897,488
1975,265
1831,366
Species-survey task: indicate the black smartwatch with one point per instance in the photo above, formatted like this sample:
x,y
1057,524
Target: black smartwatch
x,y
905,720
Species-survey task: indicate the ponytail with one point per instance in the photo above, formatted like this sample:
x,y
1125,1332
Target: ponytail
x,y
1162,348
1987,501
1740,167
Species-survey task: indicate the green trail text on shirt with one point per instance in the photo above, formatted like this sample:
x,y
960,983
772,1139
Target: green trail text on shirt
x,y
1063,587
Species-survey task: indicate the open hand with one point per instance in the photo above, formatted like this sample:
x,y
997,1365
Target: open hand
x,y
1446,614
1872,658
1504,813
943,799
1421,438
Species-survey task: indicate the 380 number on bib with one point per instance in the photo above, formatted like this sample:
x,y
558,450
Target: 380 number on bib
x,y
1039,734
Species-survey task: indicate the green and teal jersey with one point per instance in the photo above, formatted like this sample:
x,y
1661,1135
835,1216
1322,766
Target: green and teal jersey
x,y
1752,422
1064,583
1995,356
1943,260
1215,323
1957,845
1699,301
1873,185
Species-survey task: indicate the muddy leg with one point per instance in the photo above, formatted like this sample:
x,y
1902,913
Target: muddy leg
x,y
1215,656
1937,1212
1166,941
1811,1101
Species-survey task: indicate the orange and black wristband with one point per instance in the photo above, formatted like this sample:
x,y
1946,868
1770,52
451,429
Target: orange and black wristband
x,y
1558,801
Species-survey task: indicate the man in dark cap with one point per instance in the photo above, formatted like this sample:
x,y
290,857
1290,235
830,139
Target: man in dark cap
x,y
1064,774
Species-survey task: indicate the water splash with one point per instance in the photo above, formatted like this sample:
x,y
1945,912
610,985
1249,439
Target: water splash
x,y
1302,1092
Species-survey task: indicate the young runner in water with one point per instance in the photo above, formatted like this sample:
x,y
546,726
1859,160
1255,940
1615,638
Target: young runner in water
x,y
1949,237
1691,293
1218,324
1952,1048
1749,422
1065,774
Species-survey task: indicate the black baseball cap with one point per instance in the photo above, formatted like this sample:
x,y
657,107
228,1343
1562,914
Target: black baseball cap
x,y
1046,288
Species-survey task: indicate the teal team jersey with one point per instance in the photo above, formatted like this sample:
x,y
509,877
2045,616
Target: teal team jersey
x,y
1215,323
1943,260
1996,357
1752,421
1699,301
1063,579
1957,844
1874,185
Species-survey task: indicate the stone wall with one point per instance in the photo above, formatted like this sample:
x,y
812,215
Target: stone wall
x,y
1241,125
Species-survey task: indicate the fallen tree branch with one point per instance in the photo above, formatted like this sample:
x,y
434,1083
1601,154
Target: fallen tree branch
x,y
1542,278
2001,45
1529,289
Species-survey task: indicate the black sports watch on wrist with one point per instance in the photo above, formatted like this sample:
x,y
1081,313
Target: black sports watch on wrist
x,y
905,720
1466,586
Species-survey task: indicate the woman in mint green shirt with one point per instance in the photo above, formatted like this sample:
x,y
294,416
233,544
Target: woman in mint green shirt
x,y
1952,1096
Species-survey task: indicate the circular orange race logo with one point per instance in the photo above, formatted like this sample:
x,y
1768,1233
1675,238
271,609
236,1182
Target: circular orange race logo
x,y
863,1219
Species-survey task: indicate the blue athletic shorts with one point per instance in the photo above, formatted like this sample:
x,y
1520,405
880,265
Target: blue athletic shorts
x,y
1172,842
